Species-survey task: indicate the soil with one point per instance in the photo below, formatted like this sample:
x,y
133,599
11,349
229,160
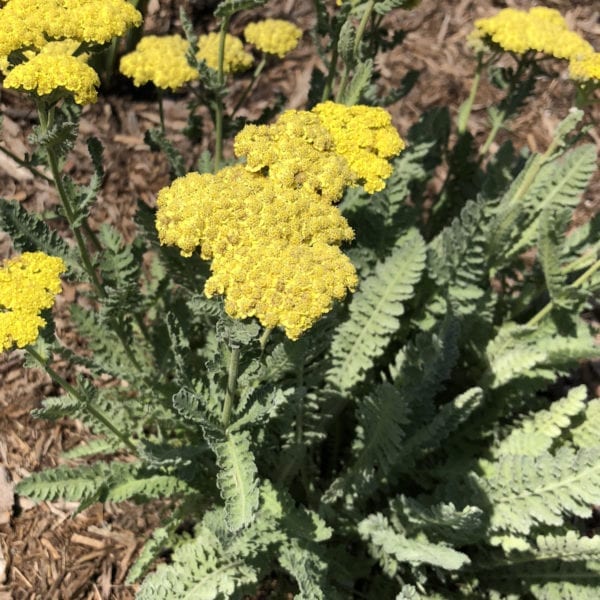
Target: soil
x,y
47,552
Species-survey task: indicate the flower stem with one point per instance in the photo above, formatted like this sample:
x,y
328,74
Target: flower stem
x,y
161,110
230,392
78,395
22,163
357,41
46,118
578,282
249,88
218,104
467,107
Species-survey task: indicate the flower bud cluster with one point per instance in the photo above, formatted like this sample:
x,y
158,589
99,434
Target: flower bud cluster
x,y
270,226
28,284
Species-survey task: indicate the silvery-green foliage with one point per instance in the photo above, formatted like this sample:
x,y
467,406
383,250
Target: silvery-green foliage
x,y
417,442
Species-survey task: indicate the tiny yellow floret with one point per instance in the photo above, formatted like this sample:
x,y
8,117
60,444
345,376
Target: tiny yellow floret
x,y
273,36
28,285
235,58
47,73
160,60
365,137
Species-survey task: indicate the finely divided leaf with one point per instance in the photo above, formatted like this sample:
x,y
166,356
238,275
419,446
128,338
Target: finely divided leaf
x,y
375,311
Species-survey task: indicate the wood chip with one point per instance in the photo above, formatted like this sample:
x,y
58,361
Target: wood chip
x,y
84,540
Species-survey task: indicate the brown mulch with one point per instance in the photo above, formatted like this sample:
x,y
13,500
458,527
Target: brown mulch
x,y
47,553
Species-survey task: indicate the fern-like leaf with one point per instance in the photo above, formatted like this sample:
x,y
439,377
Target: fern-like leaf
x,y
537,433
72,483
527,490
307,569
374,312
29,232
394,549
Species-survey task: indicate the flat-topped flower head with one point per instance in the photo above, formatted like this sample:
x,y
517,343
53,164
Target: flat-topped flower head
x,y
586,69
28,285
273,36
160,60
30,24
48,74
274,249
296,152
541,29
235,59
365,137
282,284
218,212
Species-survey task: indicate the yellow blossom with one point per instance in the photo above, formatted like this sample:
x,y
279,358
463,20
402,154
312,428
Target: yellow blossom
x,y
235,58
282,284
216,212
46,73
273,36
30,24
160,60
273,249
586,68
28,285
365,137
541,29
296,152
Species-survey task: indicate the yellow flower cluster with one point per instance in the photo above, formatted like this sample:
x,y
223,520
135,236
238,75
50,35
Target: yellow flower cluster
x,y
28,285
235,59
298,152
48,32
48,72
270,226
273,36
161,60
586,68
365,137
28,24
541,29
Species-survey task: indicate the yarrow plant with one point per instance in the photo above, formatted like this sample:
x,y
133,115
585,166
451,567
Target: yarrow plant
x,y
337,376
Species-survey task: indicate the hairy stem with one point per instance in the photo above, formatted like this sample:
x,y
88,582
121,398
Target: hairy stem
x,y
578,282
231,391
219,108
22,163
259,68
78,395
467,107
357,41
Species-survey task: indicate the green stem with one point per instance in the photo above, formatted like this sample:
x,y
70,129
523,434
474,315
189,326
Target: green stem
x,y
332,69
46,119
357,41
78,395
250,86
548,308
523,63
230,392
22,163
161,110
264,338
467,107
219,109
